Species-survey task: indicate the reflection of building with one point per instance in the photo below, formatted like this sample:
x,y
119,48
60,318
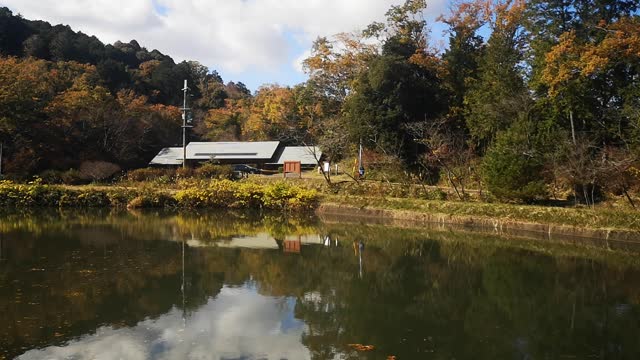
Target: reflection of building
x,y
262,153
260,241
291,243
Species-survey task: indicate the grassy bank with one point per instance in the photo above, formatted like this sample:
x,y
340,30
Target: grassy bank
x,y
214,194
300,195
607,219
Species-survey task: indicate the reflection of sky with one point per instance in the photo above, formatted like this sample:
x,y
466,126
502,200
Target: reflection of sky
x,y
238,324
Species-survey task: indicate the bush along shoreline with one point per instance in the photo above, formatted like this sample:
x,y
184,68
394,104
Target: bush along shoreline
x,y
215,194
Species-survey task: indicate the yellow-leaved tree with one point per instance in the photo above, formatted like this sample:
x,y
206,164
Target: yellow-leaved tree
x,y
272,115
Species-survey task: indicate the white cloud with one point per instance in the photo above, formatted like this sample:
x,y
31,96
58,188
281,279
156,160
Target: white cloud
x,y
298,62
238,323
231,35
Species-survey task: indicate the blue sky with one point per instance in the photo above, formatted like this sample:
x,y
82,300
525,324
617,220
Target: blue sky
x,y
253,41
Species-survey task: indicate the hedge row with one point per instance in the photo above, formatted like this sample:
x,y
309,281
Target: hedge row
x,y
362,188
225,193
215,194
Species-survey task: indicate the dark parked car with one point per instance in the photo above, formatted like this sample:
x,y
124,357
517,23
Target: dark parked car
x,y
243,169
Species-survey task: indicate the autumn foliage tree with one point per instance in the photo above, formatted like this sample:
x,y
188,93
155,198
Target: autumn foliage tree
x,y
57,115
226,123
522,89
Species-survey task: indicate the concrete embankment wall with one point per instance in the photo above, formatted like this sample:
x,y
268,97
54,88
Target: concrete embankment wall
x,y
608,238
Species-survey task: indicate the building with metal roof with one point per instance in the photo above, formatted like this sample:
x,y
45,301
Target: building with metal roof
x,y
270,153
307,155
171,156
231,152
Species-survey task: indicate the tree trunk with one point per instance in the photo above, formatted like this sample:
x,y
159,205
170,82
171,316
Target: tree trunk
x,y
624,190
455,188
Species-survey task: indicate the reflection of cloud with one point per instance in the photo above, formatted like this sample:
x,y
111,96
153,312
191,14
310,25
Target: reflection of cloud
x,y
105,344
239,323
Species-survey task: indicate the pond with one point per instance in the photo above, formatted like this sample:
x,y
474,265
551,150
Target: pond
x,y
124,285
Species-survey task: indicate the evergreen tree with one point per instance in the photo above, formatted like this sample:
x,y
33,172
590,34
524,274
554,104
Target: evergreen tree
x,y
494,100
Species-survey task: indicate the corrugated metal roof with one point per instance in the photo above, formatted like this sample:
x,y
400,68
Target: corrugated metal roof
x,y
259,150
307,155
168,156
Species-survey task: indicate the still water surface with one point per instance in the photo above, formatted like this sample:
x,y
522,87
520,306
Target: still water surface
x,y
100,285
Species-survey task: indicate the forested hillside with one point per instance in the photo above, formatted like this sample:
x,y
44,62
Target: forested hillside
x,y
530,99
67,98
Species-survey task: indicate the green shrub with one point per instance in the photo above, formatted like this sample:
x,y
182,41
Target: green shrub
x,y
51,177
98,170
72,177
36,194
92,198
152,200
513,167
213,171
214,194
149,174
248,195
120,197
303,200
282,196
163,180
182,173
276,196
436,194
68,177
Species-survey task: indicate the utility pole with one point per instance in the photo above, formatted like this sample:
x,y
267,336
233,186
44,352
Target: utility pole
x,y
185,124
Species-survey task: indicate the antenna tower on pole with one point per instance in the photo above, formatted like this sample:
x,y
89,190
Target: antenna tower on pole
x,y
186,123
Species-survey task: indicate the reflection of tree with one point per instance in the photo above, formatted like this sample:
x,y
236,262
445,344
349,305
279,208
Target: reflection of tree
x,y
162,225
502,305
63,288
456,295
550,308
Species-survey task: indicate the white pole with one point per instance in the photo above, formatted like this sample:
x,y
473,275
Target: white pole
x,y
360,155
360,158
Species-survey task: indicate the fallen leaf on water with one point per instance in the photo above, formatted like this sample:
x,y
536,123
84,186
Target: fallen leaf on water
x,y
391,357
360,347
